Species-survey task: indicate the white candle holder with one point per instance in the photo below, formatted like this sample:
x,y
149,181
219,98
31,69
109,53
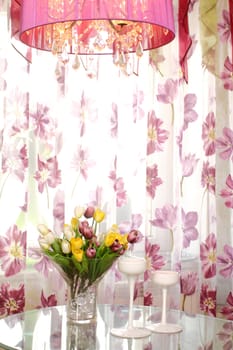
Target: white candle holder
x,y
132,266
165,279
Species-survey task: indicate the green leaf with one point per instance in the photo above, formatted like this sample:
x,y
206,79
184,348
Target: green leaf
x,y
57,246
77,264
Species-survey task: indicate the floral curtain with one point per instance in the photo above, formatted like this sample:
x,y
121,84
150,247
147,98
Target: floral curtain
x,y
151,145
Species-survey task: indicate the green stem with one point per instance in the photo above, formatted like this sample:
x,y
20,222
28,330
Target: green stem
x,y
47,193
172,107
181,186
172,240
3,185
183,302
75,184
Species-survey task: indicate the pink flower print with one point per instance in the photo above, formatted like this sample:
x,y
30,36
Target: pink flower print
x,y
208,300
153,259
226,75
155,58
208,134
188,285
121,196
148,299
152,180
138,112
208,256
227,311
13,251
15,161
118,186
228,192
43,265
12,301
58,210
224,27
134,224
190,115
84,110
188,282
208,177
166,218
82,162
167,93
48,302
190,232
41,122
225,143
226,335
189,164
156,136
47,174
225,262
96,197
114,120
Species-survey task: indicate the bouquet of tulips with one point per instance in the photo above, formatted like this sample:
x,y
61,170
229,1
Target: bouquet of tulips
x,y
82,255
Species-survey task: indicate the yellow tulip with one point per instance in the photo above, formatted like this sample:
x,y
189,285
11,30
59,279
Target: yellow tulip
x,y
74,223
76,243
78,254
110,238
99,215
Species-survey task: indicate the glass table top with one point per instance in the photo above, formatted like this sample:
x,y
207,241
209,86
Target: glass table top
x,y
47,329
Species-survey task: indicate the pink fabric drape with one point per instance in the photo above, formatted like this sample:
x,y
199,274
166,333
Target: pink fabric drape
x,y
185,40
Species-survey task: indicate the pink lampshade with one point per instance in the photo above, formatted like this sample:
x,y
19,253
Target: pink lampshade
x,y
96,26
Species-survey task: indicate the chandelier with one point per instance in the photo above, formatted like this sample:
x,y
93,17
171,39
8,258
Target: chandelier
x,y
96,27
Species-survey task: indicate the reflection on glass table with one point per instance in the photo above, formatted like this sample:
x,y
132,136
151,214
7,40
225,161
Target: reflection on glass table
x,y
47,329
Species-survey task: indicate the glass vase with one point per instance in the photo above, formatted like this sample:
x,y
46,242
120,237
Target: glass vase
x,y
81,305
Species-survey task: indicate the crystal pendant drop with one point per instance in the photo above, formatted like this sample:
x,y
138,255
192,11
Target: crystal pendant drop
x,y
64,55
54,48
116,57
122,59
76,63
139,49
58,68
127,68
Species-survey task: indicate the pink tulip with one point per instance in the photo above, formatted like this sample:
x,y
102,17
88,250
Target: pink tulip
x,y
133,236
91,252
89,212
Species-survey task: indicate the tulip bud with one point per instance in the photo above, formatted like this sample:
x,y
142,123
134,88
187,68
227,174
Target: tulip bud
x,y
89,212
99,215
91,252
49,238
65,246
43,229
43,244
78,211
68,233
133,236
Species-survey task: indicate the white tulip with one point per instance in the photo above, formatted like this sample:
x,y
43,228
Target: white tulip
x,y
43,229
65,246
79,211
49,238
43,244
68,233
